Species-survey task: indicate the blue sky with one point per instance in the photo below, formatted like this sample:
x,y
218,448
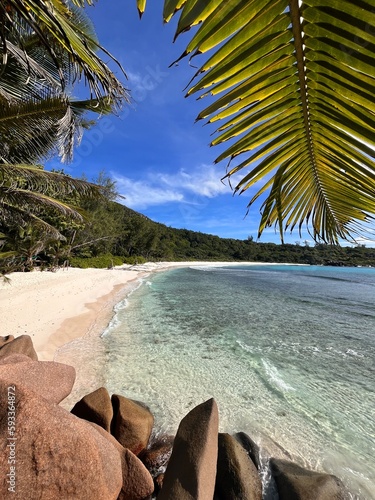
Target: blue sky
x,y
159,157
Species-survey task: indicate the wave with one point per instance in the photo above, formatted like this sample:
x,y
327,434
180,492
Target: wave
x,y
346,353
274,377
202,268
245,347
330,278
115,322
358,280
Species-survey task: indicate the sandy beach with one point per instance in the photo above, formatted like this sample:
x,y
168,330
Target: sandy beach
x,y
55,308
66,311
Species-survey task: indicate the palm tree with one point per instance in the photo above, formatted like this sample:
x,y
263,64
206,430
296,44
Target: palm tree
x,y
62,28
38,119
37,114
293,86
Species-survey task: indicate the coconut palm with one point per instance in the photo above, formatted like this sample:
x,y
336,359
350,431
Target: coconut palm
x,y
293,86
38,115
39,119
62,28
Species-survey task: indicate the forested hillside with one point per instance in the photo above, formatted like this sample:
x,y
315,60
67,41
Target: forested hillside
x,y
112,234
138,236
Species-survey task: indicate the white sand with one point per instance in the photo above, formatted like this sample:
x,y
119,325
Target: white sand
x,y
55,307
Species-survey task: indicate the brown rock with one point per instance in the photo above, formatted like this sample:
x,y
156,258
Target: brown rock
x,y
137,482
296,483
132,423
156,457
6,340
53,381
260,457
11,359
191,471
57,454
19,345
237,477
250,446
95,407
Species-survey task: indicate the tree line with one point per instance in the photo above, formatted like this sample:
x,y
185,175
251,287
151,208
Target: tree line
x,y
111,234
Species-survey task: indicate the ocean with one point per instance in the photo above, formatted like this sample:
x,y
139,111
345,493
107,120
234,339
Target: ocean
x,y
288,352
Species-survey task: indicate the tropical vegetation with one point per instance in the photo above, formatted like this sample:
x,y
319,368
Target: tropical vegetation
x,y
63,30
293,86
40,119
114,234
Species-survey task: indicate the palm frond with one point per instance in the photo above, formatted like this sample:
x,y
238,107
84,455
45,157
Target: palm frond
x,y
13,177
293,88
20,207
35,129
29,130
20,217
30,200
28,194
59,28
7,255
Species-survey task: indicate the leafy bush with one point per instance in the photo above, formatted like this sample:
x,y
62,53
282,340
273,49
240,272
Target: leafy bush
x,y
135,260
100,262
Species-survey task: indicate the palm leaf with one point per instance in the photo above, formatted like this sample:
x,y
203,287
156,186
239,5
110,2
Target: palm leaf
x,y
28,193
292,87
16,216
28,71
13,177
59,28
21,207
37,119
35,129
26,201
7,255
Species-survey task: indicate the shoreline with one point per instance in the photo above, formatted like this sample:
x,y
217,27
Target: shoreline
x,y
66,312
55,308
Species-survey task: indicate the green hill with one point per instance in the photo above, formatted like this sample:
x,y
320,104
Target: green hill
x,y
113,234
138,238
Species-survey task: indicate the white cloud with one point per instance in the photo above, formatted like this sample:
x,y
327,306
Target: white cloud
x,y
160,188
142,194
136,80
203,181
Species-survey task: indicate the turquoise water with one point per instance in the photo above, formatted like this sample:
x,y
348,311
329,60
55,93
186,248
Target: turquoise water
x,y
287,351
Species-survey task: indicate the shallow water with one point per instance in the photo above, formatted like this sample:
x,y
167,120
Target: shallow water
x,y
287,351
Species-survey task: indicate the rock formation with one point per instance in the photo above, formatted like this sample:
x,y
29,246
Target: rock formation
x,y
47,452
132,423
191,469
53,381
157,456
137,483
237,477
297,483
19,345
57,454
95,407
250,446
